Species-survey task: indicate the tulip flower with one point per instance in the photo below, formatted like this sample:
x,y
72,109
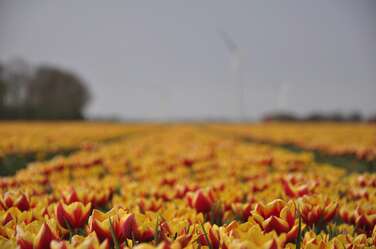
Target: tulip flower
x,y
73,215
14,215
358,194
152,205
188,162
6,231
36,236
317,209
347,215
44,237
294,191
252,236
100,224
182,190
184,239
163,245
243,211
277,216
354,242
367,180
18,200
25,240
124,225
169,181
173,232
6,217
365,218
100,198
200,201
89,242
312,240
97,197
210,237
131,229
70,196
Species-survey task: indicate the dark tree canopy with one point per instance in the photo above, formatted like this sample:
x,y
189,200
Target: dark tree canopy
x,y
2,90
45,93
54,93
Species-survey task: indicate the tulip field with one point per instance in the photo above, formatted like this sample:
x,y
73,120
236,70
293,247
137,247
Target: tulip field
x,y
356,139
195,186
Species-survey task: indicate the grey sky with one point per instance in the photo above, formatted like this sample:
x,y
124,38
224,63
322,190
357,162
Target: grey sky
x,y
158,59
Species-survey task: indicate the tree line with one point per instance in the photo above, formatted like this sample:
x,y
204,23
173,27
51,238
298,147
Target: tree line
x,y
41,92
319,117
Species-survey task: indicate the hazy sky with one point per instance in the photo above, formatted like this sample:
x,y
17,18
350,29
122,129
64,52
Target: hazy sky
x,y
159,59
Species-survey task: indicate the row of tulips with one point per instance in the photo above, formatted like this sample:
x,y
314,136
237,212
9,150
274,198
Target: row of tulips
x,y
356,139
183,188
22,137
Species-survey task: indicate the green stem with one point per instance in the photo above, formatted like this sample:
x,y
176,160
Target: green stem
x,y
157,232
299,237
114,239
206,236
71,232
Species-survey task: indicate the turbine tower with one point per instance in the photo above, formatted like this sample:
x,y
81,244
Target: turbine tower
x,y
235,62
282,96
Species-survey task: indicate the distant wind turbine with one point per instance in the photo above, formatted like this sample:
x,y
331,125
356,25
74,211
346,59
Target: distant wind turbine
x,y
282,96
235,62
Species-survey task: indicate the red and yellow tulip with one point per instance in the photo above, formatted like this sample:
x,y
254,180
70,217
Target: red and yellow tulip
x,y
317,209
73,215
278,216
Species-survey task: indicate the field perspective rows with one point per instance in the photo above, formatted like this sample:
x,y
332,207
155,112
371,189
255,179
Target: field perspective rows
x,y
188,186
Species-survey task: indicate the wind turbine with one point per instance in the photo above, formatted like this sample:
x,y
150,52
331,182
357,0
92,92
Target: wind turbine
x,y
235,62
282,96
